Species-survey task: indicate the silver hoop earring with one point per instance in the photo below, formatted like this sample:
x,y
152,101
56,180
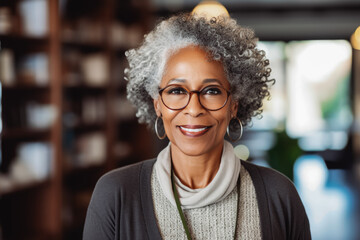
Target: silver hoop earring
x,y
241,131
156,130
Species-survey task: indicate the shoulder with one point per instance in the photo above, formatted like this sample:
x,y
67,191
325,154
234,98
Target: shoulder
x,y
280,204
120,182
272,180
273,186
116,197
125,176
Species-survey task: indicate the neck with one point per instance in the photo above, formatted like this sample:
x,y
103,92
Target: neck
x,y
196,171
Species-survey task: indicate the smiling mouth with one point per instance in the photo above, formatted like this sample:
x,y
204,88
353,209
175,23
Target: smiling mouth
x,y
194,130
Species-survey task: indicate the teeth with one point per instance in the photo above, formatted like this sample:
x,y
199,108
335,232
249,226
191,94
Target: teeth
x,y
193,129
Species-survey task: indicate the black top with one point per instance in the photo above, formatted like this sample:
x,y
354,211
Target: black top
x,y
122,208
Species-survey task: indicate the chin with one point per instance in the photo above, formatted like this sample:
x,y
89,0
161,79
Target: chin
x,y
196,148
192,150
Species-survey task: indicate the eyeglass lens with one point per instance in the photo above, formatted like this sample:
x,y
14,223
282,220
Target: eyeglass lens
x,y
177,97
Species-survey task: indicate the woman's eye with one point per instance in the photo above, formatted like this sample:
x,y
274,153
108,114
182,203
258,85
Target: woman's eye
x,y
212,91
176,91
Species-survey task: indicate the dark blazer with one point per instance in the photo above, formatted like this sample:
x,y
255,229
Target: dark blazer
x,y
121,206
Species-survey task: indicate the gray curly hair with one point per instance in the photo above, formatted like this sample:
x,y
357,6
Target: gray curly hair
x,y
223,39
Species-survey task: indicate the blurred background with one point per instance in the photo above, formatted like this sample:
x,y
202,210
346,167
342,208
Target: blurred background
x,y
66,121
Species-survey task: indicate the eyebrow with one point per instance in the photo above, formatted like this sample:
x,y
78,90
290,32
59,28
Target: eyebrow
x,y
179,80
212,80
207,80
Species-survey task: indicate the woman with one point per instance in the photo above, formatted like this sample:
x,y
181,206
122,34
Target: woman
x,y
192,78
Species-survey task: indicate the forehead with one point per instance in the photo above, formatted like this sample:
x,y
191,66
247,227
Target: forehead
x,y
194,65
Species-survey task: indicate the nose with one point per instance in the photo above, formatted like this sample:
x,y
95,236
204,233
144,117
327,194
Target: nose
x,y
194,107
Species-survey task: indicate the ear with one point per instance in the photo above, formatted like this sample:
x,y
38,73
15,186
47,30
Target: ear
x,y
234,108
157,107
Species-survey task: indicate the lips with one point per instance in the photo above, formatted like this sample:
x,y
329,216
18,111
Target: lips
x,y
194,130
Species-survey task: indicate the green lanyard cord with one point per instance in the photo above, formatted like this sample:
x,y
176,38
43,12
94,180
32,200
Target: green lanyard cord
x,y
182,217
177,200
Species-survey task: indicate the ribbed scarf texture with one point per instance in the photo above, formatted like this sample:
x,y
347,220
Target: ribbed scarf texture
x,y
221,186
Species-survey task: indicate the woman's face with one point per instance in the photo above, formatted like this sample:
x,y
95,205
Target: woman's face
x,y
195,130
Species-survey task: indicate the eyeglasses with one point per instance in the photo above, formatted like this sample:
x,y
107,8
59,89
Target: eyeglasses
x,y
177,97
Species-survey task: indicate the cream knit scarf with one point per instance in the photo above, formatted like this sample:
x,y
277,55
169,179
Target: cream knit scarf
x,y
223,183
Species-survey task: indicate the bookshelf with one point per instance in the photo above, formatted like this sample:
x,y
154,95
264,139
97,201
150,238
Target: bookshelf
x,y
63,98
30,191
96,114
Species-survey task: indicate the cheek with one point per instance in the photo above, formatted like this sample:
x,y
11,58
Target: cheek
x,y
223,119
167,117
224,125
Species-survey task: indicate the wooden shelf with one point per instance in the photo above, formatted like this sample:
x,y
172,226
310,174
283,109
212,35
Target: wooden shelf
x,y
22,133
80,169
22,44
86,87
87,127
22,87
19,187
121,49
82,178
84,45
22,38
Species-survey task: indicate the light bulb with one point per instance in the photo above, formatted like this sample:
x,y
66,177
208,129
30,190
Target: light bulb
x,y
355,39
210,9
